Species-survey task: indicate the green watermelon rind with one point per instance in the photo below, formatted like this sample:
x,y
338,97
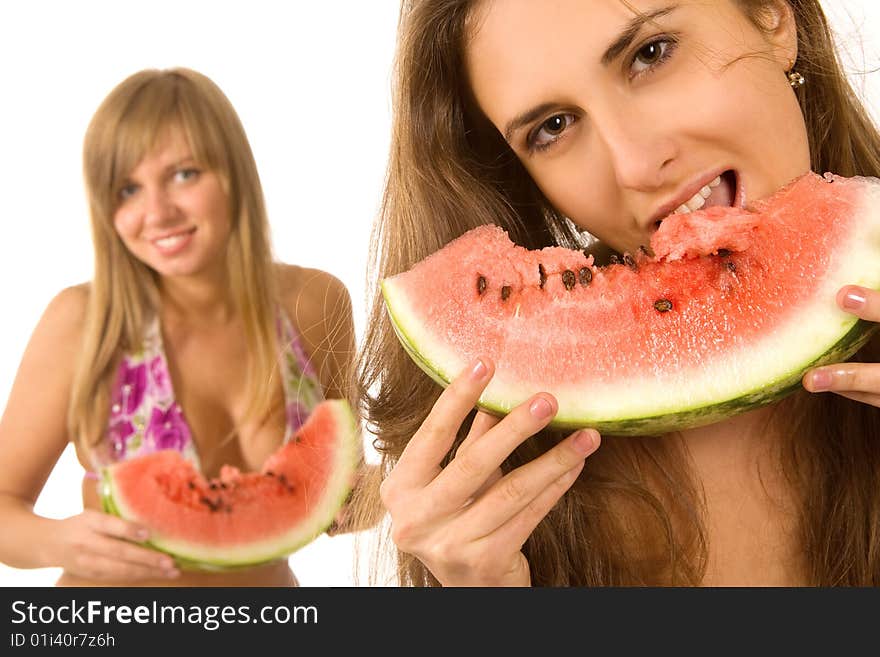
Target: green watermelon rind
x,y
187,555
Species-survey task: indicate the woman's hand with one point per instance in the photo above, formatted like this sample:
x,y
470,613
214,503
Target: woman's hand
x,y
858,381
467,522
101,547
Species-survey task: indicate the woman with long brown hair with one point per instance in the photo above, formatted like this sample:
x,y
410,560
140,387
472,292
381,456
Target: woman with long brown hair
x,y
554,119
189,336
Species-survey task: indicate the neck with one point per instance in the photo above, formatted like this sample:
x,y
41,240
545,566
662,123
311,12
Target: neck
x,y
735,445
203,299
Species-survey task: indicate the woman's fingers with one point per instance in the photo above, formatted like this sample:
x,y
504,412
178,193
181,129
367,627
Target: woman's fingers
x,y
157,562
483,421
524,487
104,523
420,461
844,378
516,531
471,467
112,541
111,569
860,301
857,381
863,397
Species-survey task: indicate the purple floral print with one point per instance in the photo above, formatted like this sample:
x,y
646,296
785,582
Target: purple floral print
x,y
119,432
130,389
297,414
160,376
167,429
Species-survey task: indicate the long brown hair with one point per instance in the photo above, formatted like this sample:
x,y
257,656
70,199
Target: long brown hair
x,y
123,293
449,170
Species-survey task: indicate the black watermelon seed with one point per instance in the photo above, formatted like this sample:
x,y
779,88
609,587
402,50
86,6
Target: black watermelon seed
x,y
723,253
568,279
645,251
663,305
191,485
505,292
542,275
731,267
269,473
585,275
630,262
213,485
614,260
481,284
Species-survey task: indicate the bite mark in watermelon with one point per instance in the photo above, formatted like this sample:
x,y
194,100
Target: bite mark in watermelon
x,y
241,519
730,311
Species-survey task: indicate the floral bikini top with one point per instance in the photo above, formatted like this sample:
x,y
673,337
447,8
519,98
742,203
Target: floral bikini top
x,y
145,417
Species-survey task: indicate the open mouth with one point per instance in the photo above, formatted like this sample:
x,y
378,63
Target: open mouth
x,y
724,191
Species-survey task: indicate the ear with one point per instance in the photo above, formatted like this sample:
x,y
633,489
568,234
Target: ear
x,y
777,20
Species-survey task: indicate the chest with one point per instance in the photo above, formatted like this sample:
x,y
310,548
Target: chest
x,y
209,374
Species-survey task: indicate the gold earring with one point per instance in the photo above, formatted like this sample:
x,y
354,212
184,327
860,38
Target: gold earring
x,y
795,79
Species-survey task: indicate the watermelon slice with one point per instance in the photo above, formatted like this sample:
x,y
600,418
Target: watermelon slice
x,y
728,313
241,519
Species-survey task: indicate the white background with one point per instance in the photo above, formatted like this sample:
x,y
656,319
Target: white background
x,y
310,81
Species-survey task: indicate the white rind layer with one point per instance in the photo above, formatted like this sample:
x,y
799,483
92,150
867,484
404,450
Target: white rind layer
x,y
741,374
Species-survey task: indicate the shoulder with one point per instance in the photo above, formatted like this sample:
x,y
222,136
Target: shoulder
x,y
312,295
319,306
66,313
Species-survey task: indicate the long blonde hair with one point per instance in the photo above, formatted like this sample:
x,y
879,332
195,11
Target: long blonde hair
x,y
449,170
123,292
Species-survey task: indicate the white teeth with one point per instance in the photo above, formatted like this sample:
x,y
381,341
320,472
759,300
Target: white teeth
x,y
170,242
698,200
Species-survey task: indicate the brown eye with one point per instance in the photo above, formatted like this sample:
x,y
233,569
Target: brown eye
x,y
550,130
554,125
650,53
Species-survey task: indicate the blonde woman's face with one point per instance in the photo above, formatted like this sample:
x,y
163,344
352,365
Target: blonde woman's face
x,y
622,121
173,213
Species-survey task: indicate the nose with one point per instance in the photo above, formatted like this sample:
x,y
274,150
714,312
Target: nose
x,y
158,205
640,151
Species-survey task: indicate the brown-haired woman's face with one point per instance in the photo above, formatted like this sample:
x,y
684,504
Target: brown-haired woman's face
x,y
173,212
622,121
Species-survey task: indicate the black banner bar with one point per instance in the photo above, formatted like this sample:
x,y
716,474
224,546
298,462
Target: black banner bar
x,y
408,620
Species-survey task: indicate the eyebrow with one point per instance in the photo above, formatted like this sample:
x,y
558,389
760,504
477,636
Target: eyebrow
x,y
613,51
631,30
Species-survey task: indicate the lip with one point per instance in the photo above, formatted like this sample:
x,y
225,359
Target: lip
x,y
691,188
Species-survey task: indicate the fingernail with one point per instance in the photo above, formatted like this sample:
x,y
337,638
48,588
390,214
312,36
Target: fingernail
x,y
479,370
821,380
541,409
854,300
585,441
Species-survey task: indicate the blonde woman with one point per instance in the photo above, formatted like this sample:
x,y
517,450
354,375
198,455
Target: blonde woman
x,y
189,336
530,114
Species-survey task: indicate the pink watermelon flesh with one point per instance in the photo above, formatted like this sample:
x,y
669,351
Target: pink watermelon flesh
x,y
238,518
727,315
